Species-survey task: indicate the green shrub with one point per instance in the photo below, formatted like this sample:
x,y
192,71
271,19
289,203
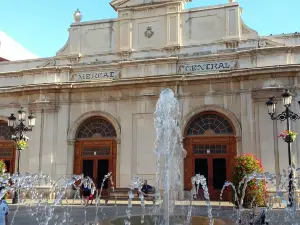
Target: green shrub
x,y
245,165
2,167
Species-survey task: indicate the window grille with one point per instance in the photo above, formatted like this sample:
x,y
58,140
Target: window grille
x,y
97,151
209,124
5,133
209,149
96,127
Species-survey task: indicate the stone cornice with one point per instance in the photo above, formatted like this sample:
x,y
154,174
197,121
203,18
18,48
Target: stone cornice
x,y
10,105
263,94
36,71
236,75
233,55
117,5
278,49
162,60
45,106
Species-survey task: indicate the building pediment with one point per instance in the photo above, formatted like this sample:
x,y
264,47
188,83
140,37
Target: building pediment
x,y
118,4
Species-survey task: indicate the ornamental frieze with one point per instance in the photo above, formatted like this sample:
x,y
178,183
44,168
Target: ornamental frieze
x,y
207,67
94,75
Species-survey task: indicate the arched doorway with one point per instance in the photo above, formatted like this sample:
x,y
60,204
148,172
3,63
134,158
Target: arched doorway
x,y
96,150
211,146
7,147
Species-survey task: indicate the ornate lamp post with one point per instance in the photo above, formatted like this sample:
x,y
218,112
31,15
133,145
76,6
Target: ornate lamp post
x,y
18,130
287,115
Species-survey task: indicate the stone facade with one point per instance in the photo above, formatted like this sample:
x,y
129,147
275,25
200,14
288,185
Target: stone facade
x,y
116,69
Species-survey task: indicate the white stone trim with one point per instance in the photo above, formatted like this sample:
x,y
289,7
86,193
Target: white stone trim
x,y
85,116
216,108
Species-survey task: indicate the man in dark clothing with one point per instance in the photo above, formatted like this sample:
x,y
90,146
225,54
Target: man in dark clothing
x,y
146,188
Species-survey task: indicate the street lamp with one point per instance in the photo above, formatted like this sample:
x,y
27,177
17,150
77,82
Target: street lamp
x,y
18,130
287,115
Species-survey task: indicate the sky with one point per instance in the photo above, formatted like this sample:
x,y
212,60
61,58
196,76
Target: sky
x,y
41,26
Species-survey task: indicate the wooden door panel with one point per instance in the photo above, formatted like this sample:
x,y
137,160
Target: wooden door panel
x,y
77,158
94,145
8,154
190,142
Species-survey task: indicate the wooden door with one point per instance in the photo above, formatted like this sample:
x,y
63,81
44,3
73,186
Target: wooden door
x,y
8,155
96,158
212,158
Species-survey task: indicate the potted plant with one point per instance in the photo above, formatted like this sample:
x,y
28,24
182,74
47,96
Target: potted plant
x,y
255,193
22,144
288,136
2,167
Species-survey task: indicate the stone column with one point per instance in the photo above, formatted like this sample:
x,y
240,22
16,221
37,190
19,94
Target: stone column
x,y
276,153
239,147
247,123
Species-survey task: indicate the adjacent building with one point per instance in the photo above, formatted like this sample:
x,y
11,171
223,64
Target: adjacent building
x,y
10,50
95,99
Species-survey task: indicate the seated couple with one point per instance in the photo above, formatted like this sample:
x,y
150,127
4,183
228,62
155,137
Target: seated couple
x,y
147,189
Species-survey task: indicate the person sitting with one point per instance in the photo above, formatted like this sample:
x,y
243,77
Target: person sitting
x,y
146,188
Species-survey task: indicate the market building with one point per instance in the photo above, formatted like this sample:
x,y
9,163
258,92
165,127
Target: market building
x,y
95,99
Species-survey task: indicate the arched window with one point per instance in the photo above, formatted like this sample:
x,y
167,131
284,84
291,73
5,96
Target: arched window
x,y
5,133
209,124
96,127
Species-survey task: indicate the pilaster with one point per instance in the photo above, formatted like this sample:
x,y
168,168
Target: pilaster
x,y
70,161
125,33
173,25
247,122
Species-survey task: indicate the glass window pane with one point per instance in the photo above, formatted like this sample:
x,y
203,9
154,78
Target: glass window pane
x,y
213,123
219,173
201,167
88,168
102,170
96,127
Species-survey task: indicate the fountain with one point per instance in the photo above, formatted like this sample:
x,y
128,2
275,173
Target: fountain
x,y
169,150
164,211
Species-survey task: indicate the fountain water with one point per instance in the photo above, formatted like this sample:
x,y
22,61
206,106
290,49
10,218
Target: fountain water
x,y
169,149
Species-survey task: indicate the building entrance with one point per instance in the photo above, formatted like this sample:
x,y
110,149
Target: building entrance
x,y
7,147
95,156
210,152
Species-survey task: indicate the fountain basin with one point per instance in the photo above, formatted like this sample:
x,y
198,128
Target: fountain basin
x,y
174,220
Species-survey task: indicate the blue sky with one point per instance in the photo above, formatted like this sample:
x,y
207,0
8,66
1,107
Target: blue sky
x,y
41,25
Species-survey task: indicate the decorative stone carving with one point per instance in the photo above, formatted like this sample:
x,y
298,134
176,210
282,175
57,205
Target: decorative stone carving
x,y
149,33
232,44
49,63
262,44
71,142
172,48
124,53
77,16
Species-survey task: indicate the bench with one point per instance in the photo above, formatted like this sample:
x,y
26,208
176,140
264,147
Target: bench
x,y
121,194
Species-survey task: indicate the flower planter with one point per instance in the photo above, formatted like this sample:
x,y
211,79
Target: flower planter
x,y
21,145
290,138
